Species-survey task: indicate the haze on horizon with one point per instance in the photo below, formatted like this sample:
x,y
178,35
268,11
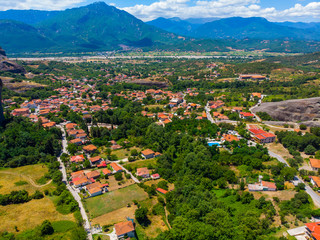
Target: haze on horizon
x,y
273,10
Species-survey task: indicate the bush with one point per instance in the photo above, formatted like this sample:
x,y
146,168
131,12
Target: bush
x,y
46,228
310,150
37,195
118,176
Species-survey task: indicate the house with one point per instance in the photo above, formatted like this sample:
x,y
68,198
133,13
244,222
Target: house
x,y
160,190
124,229
253,95
262,186
315,164
102,164
245,115
315,181
49,125
148,153
76,141
90,148
269,186
313,230
93,174
155,176
71,126
143,172
95,189
230,138
116,167
77,158
95,160
81,181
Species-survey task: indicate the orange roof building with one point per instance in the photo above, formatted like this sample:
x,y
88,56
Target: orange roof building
x,y
313,230
315,164
125,228
90,148
116,167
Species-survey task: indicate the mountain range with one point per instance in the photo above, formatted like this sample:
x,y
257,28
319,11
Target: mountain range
x,y
240,28
100,27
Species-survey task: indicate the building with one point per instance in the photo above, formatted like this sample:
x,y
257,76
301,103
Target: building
x,y
246,115
124,229
262,136
160,190
315,181
116,167
143,172
95,160
313,230
148,153
93,174
90,148
21,112
77,158
262,186
315,164
155,176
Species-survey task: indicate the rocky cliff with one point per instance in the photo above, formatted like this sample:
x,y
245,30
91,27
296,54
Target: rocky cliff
x,y
7,65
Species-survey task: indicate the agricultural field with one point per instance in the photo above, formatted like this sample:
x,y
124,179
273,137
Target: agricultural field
x,y
142,163
114,200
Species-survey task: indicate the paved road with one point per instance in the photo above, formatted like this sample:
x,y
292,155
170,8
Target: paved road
x,y
133,177
76,196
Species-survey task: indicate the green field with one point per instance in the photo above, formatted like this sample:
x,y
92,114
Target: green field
x,y
142,163
114,200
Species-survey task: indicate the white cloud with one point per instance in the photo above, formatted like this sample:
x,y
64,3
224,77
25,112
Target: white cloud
x,y
38,4
221,9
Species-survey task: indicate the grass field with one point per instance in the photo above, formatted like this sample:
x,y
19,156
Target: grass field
x,y
113,183
29,215
112,201
14,179
142,163
121,153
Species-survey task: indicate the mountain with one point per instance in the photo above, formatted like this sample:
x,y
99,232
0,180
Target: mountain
x,y
96,27
101,27
254,27
27,16
174,25
21,37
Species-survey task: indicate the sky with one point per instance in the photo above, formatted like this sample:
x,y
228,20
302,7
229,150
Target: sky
x,y
146,10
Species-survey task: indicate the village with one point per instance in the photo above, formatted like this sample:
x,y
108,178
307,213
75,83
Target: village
x,y
96,165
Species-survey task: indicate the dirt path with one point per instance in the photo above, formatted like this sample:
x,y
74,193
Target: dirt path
x,y
27,178
166,212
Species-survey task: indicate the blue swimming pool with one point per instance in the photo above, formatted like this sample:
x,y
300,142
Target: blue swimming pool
x,y
214,144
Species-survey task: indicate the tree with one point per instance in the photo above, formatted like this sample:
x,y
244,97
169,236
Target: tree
x,y
310,150
303,127
141,216
46,228
118,176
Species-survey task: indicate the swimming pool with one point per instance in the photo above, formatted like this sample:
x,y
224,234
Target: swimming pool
x,y
214,144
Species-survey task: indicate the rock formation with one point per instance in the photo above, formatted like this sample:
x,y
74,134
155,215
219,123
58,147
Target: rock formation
x,y
292,110
9,66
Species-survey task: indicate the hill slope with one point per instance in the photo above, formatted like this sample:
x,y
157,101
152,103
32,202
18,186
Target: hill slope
x,y
20,37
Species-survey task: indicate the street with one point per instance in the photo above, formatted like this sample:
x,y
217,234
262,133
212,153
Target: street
x,y
76,196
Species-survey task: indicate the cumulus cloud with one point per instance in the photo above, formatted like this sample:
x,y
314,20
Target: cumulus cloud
x,y
39,5
221,9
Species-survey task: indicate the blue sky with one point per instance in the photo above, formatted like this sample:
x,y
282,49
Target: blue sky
x,y
273,10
